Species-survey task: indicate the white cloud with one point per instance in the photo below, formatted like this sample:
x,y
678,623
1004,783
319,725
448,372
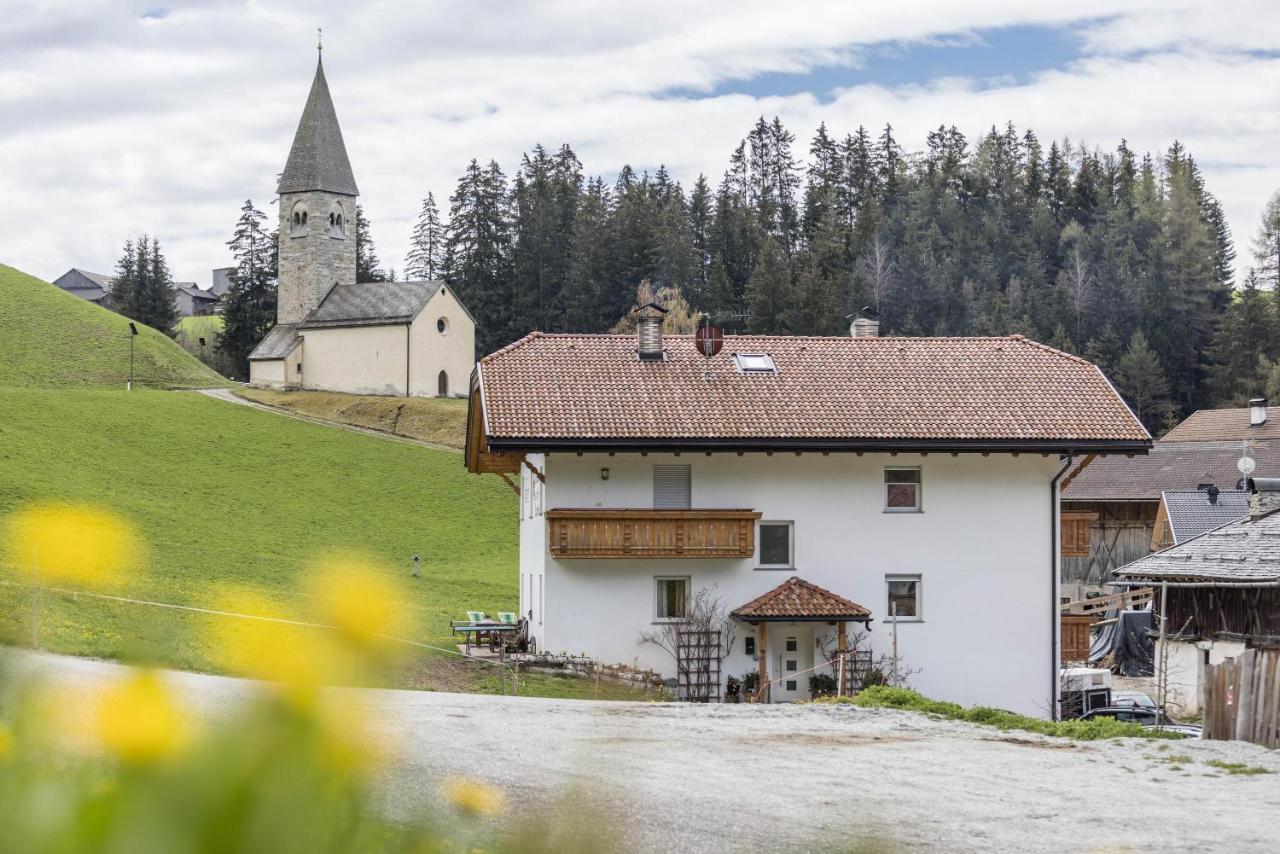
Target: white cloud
x,y
112,123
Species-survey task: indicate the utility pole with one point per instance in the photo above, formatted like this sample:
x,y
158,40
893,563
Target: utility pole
x,y
133,333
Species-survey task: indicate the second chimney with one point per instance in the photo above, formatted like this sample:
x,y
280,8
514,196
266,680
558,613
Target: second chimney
x,y
1257,412
865,327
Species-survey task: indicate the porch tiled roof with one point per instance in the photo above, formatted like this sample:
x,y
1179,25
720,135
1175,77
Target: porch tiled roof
x,y
797,599
593,389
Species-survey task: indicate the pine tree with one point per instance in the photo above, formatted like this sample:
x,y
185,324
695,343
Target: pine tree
x,y
249,308
1246,331
767,291
368,267
584,303
477,254
1266,245
426,245
1141,379
143,289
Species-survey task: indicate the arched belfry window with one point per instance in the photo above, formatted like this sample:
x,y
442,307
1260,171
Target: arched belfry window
x,y
337,221
298,221
442,384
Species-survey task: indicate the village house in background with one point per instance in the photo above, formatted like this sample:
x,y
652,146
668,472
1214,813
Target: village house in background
x,y
1223,592
1112,511
815,487
411,339
190,300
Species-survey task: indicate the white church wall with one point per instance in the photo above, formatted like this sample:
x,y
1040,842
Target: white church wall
x,y
357,359
267,373
432,350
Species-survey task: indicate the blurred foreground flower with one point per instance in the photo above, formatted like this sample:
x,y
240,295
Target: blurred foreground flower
x,y
358,599
72,544
475,798
6,741
139,720
300,659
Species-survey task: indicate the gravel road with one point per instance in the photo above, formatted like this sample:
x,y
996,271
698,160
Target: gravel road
x,y
800,777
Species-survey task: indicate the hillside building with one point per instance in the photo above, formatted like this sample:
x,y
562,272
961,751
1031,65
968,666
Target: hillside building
x,y
411,339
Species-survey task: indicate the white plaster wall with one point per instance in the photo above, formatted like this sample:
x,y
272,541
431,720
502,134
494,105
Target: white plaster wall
x,y
1184,671
267,373
432,352
533,548
356,360
983,546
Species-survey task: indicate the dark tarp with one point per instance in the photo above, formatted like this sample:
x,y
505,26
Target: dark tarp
x,y
1130,639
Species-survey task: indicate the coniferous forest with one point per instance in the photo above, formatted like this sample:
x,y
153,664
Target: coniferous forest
x,y
1122,257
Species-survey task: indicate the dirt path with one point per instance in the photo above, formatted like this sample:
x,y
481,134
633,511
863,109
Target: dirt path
x,y
230,396
694,778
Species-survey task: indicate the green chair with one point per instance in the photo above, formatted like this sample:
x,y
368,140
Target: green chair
x,y
477,617
507,618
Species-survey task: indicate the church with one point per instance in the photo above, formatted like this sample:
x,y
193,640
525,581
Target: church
x,y
332,333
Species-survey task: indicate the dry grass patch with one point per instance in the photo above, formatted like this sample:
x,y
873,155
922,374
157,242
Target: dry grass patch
x,y
441,421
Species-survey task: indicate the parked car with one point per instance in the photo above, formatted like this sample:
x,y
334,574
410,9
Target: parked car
x,y
1137,699
1147,718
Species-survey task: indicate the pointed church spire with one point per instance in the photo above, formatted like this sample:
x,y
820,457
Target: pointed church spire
x,y
318,157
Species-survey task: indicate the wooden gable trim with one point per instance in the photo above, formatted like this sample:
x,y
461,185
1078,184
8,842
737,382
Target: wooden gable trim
x,y
478,457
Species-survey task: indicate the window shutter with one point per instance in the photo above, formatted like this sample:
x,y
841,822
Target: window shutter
x,y
672,487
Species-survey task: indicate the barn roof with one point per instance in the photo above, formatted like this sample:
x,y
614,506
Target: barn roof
x,y
1192,513
797,599
1176,466
1210,425
1008,393
318,157
1243,551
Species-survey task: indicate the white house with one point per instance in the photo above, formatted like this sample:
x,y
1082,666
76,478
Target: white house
x,y
409,339
810,484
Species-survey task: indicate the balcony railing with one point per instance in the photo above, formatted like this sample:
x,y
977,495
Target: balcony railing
x,y
604,533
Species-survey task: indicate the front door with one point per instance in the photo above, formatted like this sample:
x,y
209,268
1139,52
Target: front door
x,y
792,664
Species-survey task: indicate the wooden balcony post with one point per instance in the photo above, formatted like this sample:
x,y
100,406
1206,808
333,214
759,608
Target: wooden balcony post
x,y
762,691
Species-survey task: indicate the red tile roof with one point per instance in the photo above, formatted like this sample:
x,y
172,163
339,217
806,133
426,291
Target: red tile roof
x,y
592,389
797,599
1221,425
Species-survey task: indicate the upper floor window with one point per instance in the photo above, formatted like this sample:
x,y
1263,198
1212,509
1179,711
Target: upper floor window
x,y
672,487
777,546
298,221
902,490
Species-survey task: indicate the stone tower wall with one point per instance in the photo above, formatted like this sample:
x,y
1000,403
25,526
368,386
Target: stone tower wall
x,y
311,263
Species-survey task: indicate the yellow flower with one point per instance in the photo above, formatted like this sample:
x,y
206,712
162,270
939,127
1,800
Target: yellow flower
x,y
72,544
301,659
358,599
6,741
346,740
138,720
475,798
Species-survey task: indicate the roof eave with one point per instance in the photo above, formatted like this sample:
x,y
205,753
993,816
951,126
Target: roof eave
x,y
1050,446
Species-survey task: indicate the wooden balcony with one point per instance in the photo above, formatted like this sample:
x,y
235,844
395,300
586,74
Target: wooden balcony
x,y
598,532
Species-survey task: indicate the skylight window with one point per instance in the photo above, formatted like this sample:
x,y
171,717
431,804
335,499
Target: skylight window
x,y
755,363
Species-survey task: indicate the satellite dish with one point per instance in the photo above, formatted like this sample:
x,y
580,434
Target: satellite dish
x,y
1246,465
709,339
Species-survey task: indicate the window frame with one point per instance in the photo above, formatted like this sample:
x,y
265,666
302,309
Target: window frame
x,y
769,367
658,598
918,579
919,485
790,525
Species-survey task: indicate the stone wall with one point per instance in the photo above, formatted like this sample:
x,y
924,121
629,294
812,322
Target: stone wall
x,y
313,259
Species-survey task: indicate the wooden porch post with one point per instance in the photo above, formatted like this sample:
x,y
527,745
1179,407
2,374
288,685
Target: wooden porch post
x,y
762,691
842,643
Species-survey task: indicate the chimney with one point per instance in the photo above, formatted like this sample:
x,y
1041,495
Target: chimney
x,y
1265,498
1257,412
649,332
866,324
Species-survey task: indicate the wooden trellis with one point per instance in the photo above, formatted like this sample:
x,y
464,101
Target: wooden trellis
x,y
698,665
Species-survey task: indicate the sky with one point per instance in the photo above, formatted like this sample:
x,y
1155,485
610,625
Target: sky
x,y
120,117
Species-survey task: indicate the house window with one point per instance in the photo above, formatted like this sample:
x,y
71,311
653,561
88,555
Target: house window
x,y
672,487
749,645
671,594
755,363
776,545
792,646
904,595
791,685
902,490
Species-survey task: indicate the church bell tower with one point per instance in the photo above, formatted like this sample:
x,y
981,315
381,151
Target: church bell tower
x,y
317,209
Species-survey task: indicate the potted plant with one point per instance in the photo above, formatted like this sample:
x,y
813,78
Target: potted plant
x,y
750,683
732,690
821,685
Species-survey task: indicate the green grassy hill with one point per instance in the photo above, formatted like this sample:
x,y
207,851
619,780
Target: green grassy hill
x,y
49,338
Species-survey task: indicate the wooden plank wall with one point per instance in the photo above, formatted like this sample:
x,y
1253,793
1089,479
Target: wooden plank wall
x,y
1121,535
1242,698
